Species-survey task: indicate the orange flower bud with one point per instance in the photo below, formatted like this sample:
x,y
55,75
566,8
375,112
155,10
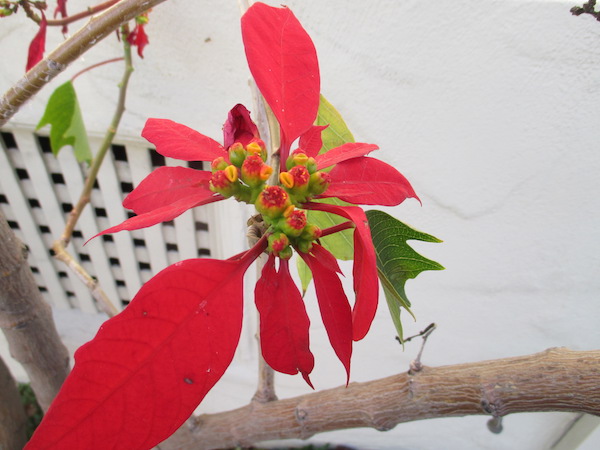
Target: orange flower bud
x,y
231,172
286,179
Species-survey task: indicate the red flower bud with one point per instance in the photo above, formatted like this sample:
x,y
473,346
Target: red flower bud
x,y
255,171
272,202
221,182
278,244
293,222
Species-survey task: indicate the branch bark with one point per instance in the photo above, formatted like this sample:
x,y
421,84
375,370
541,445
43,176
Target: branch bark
x,y
26,320
13,421
94,31
554,380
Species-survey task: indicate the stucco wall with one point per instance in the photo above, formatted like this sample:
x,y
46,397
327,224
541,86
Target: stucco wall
x,y
490,108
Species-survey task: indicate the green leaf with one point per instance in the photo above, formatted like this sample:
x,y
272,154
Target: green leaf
x,y
66,123
337,133
397,261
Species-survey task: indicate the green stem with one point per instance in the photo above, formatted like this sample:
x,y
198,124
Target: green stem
x,y
60,245
84,198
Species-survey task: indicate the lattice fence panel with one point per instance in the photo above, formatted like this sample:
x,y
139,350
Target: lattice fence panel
x,y
38,190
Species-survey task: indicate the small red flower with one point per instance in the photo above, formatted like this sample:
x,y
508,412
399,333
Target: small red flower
x,y
138,37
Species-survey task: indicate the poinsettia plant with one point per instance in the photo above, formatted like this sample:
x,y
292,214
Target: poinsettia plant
x,y
150,366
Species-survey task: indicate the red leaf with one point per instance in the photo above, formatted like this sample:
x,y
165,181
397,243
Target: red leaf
x,y
239,127
343,153
149,367
368,181
364,270
38,45
166,185
334,307
284,323
326,258
180,142
162,214
283,62
311,141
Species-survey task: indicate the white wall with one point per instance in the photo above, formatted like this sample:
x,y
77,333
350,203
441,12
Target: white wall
x,y
490,108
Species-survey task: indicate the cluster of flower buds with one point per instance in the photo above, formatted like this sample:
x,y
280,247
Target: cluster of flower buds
x,y
245,176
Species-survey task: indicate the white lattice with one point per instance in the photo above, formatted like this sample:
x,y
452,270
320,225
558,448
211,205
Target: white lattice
x,y
37,191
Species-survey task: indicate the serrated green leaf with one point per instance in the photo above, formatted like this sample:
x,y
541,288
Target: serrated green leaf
x,y
66,123
397,262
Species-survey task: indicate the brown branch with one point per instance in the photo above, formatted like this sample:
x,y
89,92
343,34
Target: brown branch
x,y
13,421
553,380
26,320
95,30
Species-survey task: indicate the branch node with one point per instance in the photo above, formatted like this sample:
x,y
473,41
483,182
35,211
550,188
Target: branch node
x,y
416,365
495,424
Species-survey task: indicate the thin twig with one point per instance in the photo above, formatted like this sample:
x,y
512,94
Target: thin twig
x,y
48,68
69,19
60,245
94,66
416,365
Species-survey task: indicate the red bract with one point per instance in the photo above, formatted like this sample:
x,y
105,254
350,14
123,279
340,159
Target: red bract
x,y
283,62
148,367
38,45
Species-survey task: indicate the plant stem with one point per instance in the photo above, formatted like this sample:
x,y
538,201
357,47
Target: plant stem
x,y
60,245
47,69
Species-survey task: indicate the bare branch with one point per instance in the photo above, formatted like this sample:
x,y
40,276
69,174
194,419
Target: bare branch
x,y
96,29
26,320
13,421
553,380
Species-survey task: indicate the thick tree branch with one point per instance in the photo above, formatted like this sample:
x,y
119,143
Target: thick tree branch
x,y
26,320
94,31
13,421
553,380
